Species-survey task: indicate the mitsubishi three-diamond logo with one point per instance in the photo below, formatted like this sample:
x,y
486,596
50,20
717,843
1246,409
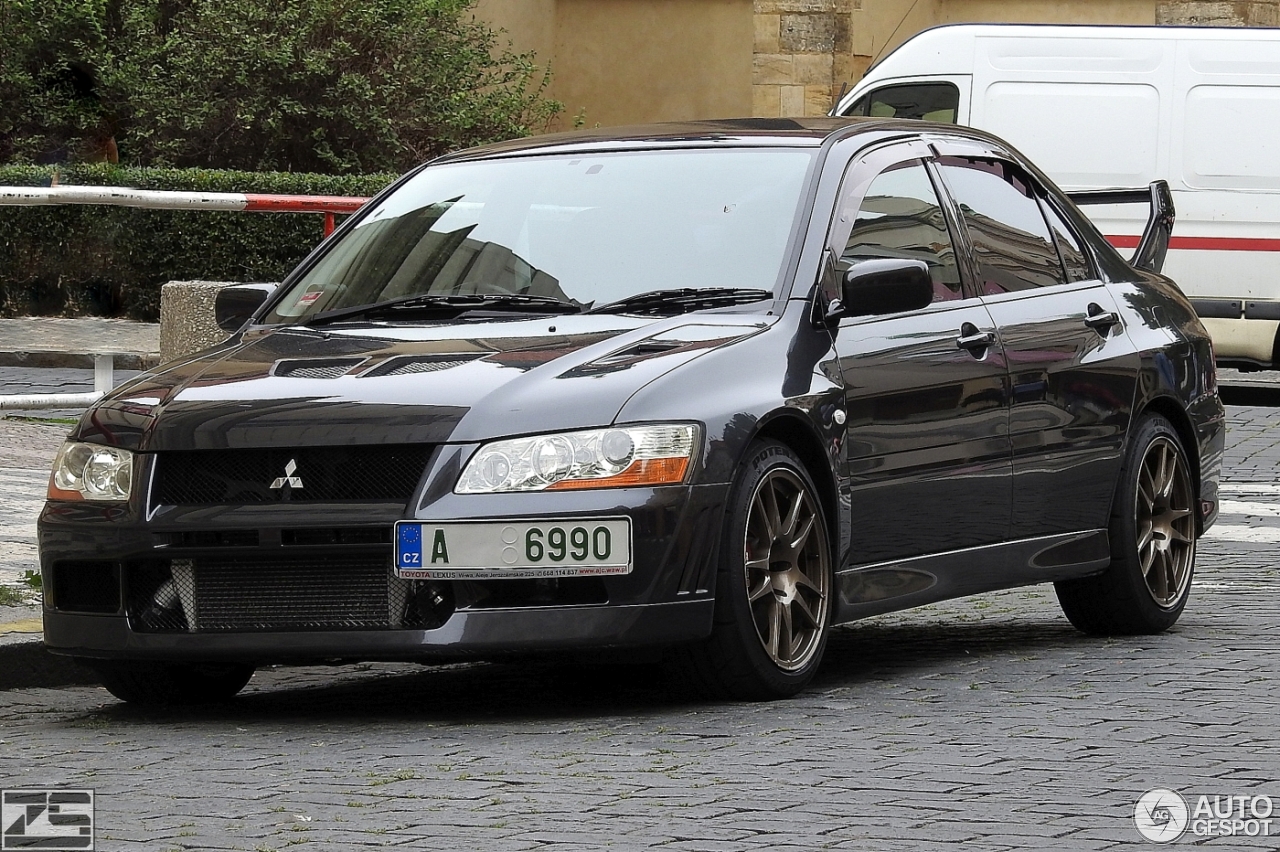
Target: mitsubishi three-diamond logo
x,y
288,478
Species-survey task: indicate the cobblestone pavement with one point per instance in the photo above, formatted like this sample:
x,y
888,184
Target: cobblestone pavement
x,y
987,721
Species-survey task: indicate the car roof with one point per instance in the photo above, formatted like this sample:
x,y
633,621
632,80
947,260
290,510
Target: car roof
x,y
729,133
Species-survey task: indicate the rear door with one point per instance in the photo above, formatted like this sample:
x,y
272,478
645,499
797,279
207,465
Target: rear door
x,y
1072,368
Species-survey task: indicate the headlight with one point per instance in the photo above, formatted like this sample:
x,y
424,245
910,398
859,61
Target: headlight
x,y
91,472
601,458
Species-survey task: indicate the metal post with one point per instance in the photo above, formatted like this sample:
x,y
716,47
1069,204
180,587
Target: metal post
x,y
104,366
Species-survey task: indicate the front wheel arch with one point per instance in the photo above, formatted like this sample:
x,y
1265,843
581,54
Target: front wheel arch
x,y
799,436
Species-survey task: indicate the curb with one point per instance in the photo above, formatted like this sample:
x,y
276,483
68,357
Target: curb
x,y
77,360
26,664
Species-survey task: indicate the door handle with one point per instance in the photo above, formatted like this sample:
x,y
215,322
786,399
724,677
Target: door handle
x,y
1100,320
972,339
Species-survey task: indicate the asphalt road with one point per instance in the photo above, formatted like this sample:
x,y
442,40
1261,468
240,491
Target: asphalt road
x,y
987,721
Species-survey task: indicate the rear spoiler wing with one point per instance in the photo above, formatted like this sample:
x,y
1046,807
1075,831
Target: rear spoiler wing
x,y
1154,244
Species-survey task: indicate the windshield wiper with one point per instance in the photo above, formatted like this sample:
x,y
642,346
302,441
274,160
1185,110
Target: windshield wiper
x,y
682,300
451,303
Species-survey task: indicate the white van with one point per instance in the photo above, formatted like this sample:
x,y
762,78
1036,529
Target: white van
x,y
1106,106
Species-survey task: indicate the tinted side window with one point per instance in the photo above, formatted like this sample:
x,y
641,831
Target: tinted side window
x,y
929,101
1012,246
900,217
1073,257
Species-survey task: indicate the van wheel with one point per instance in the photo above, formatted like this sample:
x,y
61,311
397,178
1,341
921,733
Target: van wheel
x,y
774,584
1153,542
172,683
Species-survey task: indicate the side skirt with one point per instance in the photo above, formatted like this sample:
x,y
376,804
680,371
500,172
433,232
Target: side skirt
x,y
866,590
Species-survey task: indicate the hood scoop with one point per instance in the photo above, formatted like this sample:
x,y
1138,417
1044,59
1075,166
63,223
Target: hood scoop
x,y
315,368
407,364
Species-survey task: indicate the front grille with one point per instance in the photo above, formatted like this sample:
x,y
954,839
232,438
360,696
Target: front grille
x,y
210,538
259,594
334,593
335,535
308,475
157,594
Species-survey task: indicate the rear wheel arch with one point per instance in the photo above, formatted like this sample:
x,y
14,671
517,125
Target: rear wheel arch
x,y
1172,410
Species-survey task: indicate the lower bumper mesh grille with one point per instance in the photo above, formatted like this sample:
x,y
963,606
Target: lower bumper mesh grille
x,y
339,593
252,593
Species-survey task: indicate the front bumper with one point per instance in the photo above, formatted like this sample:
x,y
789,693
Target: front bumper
x,y
491,632
106,570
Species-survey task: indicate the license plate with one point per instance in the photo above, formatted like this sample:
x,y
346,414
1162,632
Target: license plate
x,y
469,550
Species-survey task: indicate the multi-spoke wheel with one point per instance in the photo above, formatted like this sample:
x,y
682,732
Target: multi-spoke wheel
x,y
1166,521
787,569
1153,542
774,587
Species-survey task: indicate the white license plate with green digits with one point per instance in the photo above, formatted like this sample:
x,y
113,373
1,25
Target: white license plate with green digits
x,y
492,550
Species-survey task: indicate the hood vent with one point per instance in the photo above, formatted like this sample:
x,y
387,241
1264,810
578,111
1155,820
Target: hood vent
x,y
316,368
406,364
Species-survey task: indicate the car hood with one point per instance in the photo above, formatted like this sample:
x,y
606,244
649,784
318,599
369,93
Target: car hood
x,y
401,384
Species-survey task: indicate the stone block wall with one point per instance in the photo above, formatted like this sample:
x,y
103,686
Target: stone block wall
x,y
803,55
1257,13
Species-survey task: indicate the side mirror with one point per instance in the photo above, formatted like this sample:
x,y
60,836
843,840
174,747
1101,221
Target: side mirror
x,y
235,305
883,286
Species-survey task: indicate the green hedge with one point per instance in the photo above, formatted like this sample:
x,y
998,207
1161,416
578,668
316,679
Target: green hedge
x,y
94,259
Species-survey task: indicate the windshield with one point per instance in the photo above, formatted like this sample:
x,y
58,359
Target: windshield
x,y
580,229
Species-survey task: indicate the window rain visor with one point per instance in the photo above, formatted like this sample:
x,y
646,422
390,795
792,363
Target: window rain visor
x,y
584,229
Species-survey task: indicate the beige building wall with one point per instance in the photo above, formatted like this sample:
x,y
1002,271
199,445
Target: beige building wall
x,y
633,61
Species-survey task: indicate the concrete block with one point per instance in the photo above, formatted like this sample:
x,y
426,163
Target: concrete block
x,y
771,69
813,69
766,101
187,321
818,100
766,34
792,101
812,33
1223,13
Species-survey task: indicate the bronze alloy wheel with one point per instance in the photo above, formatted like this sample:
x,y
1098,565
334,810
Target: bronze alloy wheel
x,y
787,570
1165,522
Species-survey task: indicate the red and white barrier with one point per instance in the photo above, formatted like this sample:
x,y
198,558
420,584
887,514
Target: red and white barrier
x,y
118,196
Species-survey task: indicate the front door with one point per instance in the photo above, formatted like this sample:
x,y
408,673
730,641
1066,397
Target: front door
x,y
927,445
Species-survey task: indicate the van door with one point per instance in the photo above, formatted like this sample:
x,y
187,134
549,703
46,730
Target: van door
x,y
1226,244
1090,112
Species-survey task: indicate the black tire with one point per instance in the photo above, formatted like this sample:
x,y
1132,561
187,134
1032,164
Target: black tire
x,y
1153,542
173,683
773,592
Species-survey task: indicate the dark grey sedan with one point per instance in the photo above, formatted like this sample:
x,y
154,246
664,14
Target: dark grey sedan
x,y
712,388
